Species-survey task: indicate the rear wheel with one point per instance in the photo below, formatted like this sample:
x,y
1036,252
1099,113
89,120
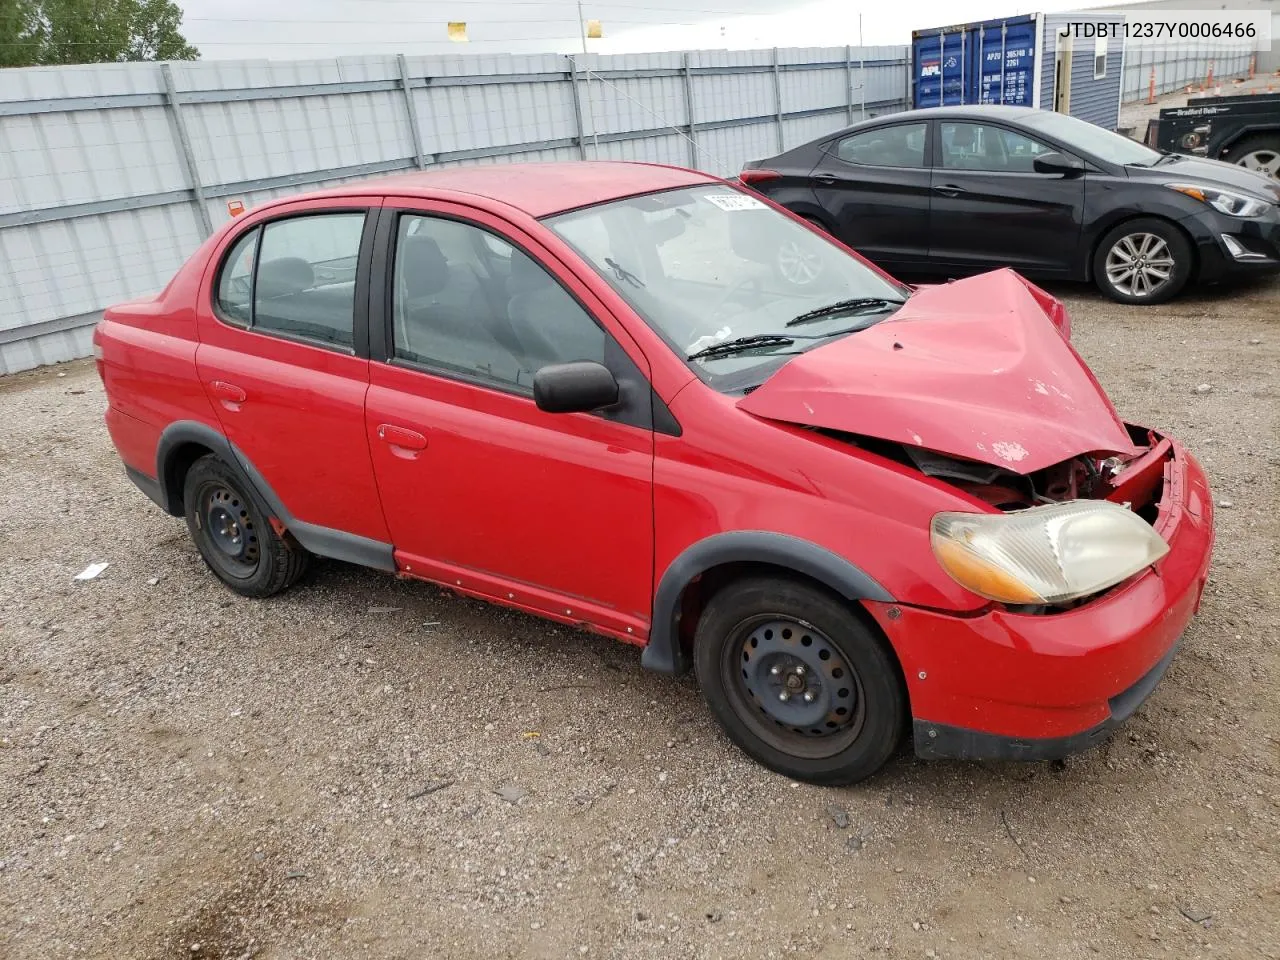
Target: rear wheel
x,y
1143,261
1260,154
798,681
234,539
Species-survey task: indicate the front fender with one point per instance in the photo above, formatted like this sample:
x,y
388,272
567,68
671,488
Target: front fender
x,y
664,652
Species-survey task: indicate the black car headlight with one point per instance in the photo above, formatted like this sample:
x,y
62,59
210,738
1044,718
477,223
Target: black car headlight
x,y
1224,201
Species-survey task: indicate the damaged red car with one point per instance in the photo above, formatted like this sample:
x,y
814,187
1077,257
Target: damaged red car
x,y
641,400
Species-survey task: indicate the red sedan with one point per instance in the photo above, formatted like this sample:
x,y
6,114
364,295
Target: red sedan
x,y
645,401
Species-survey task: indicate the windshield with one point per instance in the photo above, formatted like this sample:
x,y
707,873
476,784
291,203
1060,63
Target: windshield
x,y
1090,138
708,265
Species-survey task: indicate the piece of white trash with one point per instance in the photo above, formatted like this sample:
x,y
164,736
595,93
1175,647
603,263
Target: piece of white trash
x,y
92,570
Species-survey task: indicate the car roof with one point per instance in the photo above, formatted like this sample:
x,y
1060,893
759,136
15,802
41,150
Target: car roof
x,y
980,111
538,189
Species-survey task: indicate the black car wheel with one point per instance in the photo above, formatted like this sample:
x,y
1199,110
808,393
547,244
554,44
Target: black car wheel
x,y
798,681
1259,154
233,537
1142,261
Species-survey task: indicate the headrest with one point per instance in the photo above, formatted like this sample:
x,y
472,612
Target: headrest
x,y
284,276
423,267
527,276
962,136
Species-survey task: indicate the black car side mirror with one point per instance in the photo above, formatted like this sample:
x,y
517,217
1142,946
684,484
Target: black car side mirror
x,y
1058,163
577,387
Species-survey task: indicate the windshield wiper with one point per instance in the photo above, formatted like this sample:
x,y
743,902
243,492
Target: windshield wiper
x,y
622,273
844,306
740,344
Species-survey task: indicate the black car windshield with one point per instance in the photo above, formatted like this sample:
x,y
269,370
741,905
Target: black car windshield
x,y
1092,139
715,267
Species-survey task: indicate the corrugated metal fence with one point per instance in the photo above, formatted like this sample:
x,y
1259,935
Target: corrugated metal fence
x,y
112,174
1179,65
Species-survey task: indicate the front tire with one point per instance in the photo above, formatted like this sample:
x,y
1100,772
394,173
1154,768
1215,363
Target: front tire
x,y
798,681
1144,261
233,537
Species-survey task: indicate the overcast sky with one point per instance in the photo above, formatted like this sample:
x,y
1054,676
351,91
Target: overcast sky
x,y
293,29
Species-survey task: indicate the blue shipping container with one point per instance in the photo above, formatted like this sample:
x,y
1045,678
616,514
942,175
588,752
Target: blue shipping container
x,y
989,62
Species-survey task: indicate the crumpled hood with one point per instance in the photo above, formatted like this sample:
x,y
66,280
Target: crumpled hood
x,y
973,369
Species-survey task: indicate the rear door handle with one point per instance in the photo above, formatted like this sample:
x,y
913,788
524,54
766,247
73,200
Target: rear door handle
x,y
949,190
826,178
403,442
228,394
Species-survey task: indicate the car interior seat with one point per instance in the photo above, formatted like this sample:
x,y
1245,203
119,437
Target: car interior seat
x,y
548,323
287,299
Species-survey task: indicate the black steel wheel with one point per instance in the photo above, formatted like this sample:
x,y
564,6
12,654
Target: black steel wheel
x,y
232,535
799,681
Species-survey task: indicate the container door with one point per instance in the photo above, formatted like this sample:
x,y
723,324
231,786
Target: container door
x,y
1006,63
940,69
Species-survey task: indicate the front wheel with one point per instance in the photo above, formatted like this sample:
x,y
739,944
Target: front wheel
x,y
798,681
1143,261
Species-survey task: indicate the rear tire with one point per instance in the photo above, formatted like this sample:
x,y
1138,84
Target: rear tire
x,y
798,681
235,540
1143,261
1260,154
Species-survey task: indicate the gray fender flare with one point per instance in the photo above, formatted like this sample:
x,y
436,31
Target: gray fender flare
x,y
664,653
322,541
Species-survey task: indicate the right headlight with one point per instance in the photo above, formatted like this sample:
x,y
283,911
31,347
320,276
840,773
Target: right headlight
x,y
1224,201
1048,554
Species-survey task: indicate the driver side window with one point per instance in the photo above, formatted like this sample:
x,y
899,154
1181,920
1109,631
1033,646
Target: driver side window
x,y
979,146
465,301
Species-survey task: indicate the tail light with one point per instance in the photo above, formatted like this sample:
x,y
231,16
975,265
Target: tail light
x,y
750,178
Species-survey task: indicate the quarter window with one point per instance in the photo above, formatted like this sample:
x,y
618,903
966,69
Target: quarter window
x,y
977,146
467,302
901,145
235,285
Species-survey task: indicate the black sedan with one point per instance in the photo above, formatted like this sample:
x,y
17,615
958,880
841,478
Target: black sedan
x,y
956,190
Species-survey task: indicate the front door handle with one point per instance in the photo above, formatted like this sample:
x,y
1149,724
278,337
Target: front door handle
x,y
228,394
826,178
949,190
403,441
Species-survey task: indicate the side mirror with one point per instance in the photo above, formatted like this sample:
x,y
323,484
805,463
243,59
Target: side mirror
x,y
1058,163
577,387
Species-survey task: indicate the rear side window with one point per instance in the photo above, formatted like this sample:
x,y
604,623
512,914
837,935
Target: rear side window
x,y
301,283
901,145
306,277
235,286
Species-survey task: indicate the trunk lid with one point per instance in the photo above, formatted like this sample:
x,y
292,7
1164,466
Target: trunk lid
x,y
974,369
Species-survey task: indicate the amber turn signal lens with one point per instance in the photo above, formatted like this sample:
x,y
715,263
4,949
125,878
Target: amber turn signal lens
x,y
981,576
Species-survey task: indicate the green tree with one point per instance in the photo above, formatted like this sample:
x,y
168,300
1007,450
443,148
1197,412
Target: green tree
x,y
90,31
20,33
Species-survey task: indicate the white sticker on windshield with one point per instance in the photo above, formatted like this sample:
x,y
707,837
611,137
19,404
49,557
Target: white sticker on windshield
x,y
734,201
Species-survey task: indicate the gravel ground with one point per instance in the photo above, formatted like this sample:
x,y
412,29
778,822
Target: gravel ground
x,y
368,767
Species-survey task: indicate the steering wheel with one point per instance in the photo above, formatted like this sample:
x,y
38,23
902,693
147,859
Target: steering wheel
x,y
716,311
